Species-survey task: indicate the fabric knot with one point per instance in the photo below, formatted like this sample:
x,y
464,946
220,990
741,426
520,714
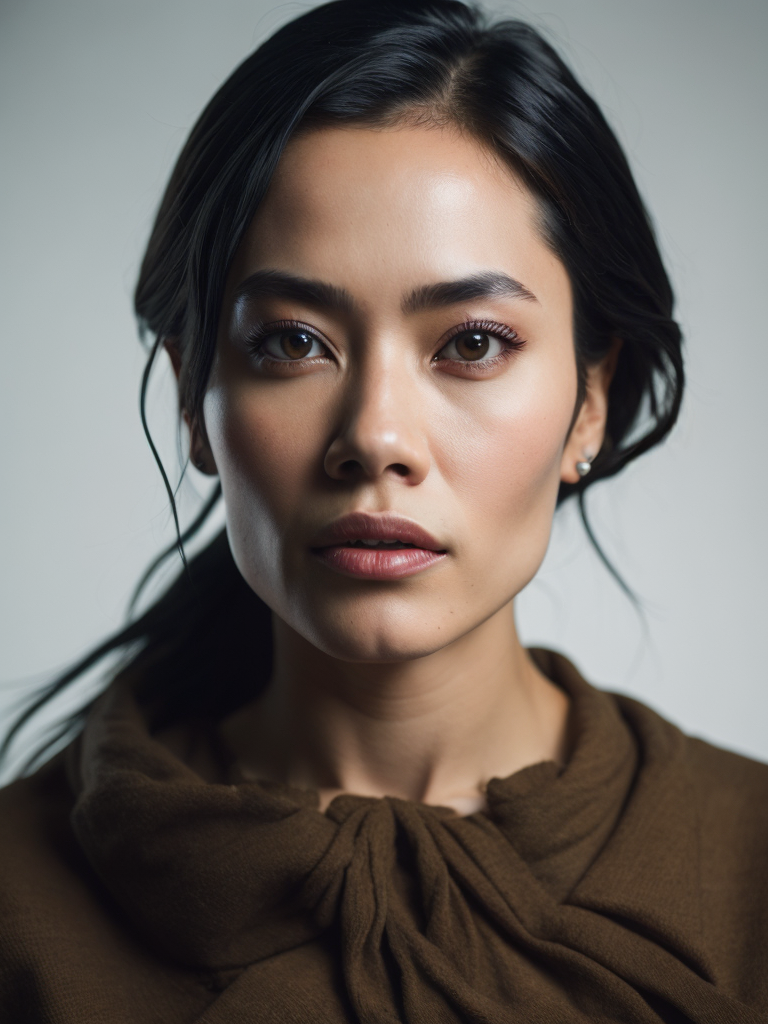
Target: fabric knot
x,y
494,917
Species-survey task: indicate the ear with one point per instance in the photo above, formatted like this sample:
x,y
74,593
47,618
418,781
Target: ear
x,y
200,454
588,432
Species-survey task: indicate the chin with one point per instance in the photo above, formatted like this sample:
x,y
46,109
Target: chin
x,y
375,634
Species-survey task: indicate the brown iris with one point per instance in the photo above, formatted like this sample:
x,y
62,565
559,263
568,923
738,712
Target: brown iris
x,y
296,344
472,344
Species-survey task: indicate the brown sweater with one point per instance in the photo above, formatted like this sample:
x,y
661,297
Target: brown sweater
x,y
630,886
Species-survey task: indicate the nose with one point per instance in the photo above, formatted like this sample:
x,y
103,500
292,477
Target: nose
x,y
382,429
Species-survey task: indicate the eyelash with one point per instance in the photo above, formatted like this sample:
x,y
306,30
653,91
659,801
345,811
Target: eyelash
x,y
510,339
258,334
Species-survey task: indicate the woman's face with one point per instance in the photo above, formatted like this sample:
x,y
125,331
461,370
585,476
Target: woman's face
x,y
395,340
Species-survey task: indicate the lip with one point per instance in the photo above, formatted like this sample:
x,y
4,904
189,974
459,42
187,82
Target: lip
x,y
381,526
330,546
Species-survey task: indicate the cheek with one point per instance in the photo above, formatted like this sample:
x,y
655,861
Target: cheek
x,y
509,453
266,449
267,454
504,457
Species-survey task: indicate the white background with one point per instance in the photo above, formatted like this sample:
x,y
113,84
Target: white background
x,y
96,99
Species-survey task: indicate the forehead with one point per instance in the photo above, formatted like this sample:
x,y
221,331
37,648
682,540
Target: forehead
x,y
374,210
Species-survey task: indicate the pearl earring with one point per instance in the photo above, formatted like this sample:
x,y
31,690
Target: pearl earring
x,y
583,467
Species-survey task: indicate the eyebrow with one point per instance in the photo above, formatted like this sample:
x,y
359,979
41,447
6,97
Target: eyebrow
x,y
491,284
300,289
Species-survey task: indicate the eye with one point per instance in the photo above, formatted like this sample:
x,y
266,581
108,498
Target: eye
x,y
471,345
480,343
289,344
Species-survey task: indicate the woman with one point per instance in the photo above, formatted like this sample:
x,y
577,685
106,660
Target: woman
x,y
413,301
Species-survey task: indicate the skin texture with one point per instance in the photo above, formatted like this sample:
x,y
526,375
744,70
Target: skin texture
x,y
417,687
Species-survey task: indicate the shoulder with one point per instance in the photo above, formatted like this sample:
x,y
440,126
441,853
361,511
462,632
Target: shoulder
x,y
721,799
40,873
731,801
731,796
35,813
40,862
66,952
729,788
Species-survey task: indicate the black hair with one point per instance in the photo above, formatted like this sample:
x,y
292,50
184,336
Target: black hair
x,y
204,647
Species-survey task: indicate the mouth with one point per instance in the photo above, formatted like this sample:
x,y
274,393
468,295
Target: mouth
x,y
383,546
389,545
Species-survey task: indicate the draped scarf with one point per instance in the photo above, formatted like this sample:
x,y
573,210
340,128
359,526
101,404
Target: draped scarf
x,y
573,896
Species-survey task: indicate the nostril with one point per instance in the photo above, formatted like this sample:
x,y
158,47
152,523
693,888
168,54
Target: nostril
x,y
352,469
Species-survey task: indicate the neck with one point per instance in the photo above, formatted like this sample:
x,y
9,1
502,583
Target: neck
x,y
432,729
